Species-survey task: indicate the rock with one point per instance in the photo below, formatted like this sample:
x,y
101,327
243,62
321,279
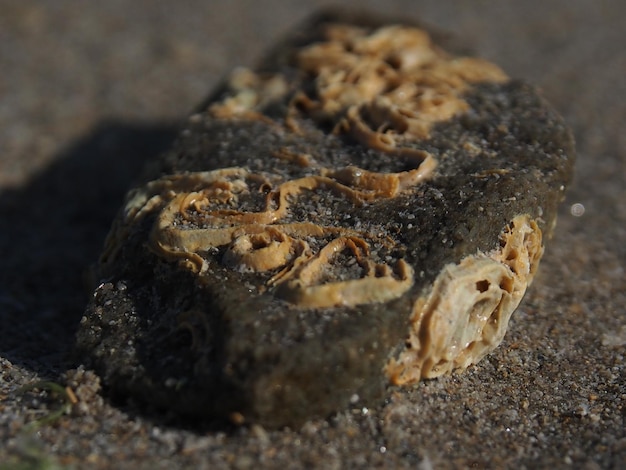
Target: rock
x,y
364,210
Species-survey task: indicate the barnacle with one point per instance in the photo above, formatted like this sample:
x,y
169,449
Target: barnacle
x,y
466,313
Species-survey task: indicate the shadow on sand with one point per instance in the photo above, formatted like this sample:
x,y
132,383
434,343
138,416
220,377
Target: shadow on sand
x,y
53,228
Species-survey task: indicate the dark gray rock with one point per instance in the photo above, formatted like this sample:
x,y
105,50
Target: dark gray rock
x,y
181,320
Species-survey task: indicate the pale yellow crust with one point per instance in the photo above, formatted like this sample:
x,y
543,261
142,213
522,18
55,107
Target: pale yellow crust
x,y
466,313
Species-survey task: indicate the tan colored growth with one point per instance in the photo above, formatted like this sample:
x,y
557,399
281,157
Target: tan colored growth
x,y
466,314
386,88
250,92
257,242
197,213
379,283
151,197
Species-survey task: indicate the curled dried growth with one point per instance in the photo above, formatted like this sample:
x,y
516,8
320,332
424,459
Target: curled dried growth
x,y
245,221
384,88
466,314
387,88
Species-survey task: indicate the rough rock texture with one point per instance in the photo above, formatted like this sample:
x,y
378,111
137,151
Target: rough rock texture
x,y
88,90
280,260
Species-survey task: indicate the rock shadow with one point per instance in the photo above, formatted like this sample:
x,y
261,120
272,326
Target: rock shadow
x,y
53,228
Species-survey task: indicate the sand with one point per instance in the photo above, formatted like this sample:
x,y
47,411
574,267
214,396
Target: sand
x,y
90,91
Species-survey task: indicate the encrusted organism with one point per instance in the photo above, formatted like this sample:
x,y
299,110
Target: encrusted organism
x,y
467,311
364,210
